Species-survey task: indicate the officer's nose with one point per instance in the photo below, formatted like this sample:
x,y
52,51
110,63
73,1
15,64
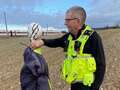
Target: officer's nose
x,y
65,23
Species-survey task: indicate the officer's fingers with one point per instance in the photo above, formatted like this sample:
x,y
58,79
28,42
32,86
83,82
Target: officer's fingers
x,y
41,42
36,43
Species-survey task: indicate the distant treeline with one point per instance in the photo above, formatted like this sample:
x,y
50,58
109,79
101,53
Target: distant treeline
x,y
22,33
108,27
103,28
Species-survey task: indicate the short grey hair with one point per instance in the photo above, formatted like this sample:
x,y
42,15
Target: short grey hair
x,y
79,12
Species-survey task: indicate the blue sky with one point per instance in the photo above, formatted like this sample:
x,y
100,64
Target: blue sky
x,y
51,12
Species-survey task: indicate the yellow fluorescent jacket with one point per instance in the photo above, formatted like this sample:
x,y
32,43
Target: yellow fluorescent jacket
x,y
79,66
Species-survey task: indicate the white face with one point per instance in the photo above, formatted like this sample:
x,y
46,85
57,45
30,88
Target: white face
x,y
34,30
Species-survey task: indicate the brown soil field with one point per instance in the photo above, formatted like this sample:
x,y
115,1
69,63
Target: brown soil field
x,y
11,61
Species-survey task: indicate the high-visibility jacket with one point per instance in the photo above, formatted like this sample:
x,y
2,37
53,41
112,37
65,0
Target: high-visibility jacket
x,y
79,66
34,74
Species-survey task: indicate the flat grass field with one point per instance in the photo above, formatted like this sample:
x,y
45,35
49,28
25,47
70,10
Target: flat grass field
x,y
11,61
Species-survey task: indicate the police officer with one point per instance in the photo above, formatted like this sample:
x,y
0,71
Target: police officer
x,y
80,41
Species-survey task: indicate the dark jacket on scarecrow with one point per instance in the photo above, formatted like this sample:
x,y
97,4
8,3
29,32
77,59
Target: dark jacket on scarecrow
x,y
34,73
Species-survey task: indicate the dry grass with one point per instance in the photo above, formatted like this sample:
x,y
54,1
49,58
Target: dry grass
x,y
11,61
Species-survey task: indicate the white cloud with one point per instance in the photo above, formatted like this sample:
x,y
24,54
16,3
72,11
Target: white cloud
x,y
101,13
104,12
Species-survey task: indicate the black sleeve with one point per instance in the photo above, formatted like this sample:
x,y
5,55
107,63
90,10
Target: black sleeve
x,y
98,53
58,42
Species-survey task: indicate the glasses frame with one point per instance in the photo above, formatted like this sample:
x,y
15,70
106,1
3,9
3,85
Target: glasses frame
x,y
69,19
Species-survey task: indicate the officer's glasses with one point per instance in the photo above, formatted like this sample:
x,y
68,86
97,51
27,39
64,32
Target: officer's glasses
x,y
69,19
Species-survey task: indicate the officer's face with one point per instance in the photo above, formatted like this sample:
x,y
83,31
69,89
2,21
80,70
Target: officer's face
x,y
71,22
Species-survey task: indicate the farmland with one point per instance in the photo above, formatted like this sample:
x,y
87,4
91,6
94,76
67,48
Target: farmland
x,y
11,61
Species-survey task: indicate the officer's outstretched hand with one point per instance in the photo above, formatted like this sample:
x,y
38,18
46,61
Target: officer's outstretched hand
x,y
36,43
